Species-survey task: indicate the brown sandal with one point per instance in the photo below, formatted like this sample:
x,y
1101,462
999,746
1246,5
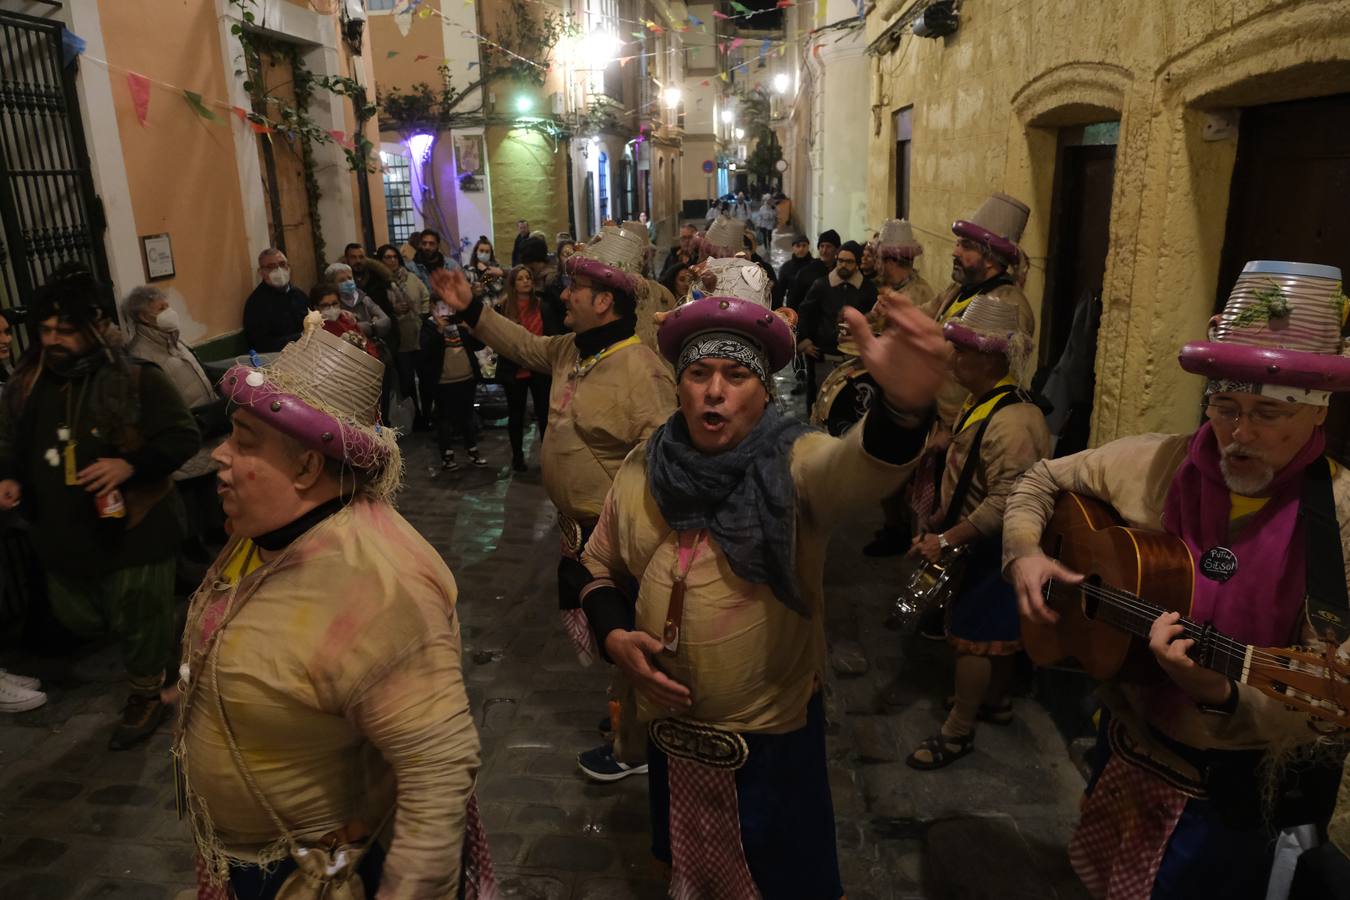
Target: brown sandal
x,y
943,750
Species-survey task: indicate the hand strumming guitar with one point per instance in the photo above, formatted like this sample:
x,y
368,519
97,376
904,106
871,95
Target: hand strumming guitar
x,y
1029,576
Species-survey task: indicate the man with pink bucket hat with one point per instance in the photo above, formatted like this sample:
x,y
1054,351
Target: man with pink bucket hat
x,y
1175,807
325,745
724,518
610,392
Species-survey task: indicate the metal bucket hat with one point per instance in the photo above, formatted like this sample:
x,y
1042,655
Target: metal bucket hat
x,y
614,257
725,237
736,299
324,392
1279,335
998,224
990,325
896,241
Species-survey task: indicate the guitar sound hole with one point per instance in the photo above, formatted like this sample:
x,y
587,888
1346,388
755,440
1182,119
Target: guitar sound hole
x,y
1090,599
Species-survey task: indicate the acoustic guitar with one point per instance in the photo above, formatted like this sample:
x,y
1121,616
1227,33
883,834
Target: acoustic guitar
x,y
1132,577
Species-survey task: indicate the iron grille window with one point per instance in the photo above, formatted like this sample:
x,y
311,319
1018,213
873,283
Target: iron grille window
x,y
398,202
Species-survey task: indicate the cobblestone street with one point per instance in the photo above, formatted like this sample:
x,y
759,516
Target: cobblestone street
x,y
78,821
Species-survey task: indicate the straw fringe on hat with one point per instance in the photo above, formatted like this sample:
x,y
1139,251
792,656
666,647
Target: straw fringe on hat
x,y
324,392
615,257
998,223
1279,334
896,241
725,237
990,325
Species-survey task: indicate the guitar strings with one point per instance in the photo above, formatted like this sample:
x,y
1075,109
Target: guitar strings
x,y
1138,606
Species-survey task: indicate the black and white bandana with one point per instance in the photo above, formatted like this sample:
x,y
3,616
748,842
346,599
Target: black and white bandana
x,y
1310,396
725,345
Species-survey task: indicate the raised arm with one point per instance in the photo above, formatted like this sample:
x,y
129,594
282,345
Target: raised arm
x,y
534,352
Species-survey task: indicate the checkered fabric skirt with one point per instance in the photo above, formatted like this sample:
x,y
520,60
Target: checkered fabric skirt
x,y
707,858
1122,836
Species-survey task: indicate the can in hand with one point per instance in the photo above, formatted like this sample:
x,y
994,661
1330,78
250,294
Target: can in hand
x,y
110,505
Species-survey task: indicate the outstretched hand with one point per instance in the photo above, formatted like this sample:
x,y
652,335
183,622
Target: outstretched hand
x,y
908,360
452,287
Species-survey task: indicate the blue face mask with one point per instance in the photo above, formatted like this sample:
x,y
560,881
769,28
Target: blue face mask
x,y
347,292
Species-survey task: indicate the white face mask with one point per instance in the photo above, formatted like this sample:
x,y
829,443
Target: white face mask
x,y
167,320
484,256
330,313
279,278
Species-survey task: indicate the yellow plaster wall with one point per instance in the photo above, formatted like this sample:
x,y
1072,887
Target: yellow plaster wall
x,y
989,99
181,168
529,181
424,39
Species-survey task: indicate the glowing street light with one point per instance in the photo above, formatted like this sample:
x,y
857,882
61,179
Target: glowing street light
x,y
599,48
672,97
740,134
420,145
728,117
781,81
524,103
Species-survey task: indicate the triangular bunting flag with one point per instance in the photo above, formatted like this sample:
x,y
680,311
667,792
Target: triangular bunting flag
x,y
783,4
741,8
695,20
341,138
259,128
419,57
704,83
391,54
194,100
240,112
140,95
736,42
718,14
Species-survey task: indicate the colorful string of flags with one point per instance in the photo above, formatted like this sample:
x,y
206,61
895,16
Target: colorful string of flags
x,y
139,85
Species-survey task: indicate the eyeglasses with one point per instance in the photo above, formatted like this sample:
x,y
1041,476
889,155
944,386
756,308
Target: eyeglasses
x,y
1257,417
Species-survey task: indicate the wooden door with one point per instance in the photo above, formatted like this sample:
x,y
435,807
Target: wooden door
x,y
1288,201
283,173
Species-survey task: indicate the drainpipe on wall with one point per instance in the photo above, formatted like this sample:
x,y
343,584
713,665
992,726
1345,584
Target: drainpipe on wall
x,y
816,154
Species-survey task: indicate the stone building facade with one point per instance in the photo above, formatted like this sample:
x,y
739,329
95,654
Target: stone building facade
x,y
1175,93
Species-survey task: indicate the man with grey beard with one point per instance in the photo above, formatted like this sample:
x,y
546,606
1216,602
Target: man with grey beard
x,y
1176,794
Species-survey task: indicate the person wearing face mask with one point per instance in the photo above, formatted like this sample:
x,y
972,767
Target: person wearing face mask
x,y
485,275
154,336
275,311
326,298
89,441
370,319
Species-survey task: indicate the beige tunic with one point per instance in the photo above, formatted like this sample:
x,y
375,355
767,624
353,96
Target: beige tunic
x,y
593,419
1133,474
1016,437
341,678
751,663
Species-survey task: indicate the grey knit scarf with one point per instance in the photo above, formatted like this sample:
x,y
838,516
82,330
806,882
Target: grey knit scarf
x,y
744,497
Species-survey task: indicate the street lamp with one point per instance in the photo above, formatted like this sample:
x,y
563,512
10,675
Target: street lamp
x,y
672,97
728,117
420,145
740,134
599,48
781,81
524,103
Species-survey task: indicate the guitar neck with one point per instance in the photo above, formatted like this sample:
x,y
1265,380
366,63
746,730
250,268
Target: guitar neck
x,y
1123,610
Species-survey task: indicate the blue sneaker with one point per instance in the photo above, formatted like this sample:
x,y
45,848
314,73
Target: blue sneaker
x,y
600,765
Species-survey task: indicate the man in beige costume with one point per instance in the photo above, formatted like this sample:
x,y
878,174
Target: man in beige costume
x,y
1175,806
610,392
325,740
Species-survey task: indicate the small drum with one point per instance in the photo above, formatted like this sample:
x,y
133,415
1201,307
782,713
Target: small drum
x,y
844,398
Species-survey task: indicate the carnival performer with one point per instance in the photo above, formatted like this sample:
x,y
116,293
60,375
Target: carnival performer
x,y
724,518
609,393
998,435
1174,807
324,732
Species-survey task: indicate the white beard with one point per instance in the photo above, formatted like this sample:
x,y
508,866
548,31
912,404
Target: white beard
x,y
1246,485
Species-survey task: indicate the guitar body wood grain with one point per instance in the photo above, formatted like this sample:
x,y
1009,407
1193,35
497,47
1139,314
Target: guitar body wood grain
x,y
1086,536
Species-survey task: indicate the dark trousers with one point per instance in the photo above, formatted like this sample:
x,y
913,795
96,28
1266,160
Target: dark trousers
x,y
454,414
536,387
405,364
786,812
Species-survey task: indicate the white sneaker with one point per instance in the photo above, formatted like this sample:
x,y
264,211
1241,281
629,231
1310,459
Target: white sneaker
x,y
15,699
26,682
